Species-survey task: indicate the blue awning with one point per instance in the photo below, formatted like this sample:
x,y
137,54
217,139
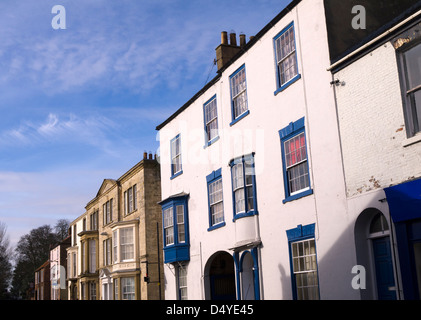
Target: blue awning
x,y
404,201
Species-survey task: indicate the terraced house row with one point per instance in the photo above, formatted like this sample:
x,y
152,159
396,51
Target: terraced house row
x,y
116,244
295,173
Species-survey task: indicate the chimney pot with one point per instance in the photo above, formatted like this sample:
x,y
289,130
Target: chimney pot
x,y
242,40
224,37
150,156
145,155
233,39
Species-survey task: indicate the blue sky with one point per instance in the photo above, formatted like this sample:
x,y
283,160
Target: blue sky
x,y
81,104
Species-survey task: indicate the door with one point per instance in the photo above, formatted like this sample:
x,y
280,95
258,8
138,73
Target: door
x,y
384,269
221,276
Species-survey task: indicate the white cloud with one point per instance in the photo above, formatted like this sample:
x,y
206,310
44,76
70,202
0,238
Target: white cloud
x,y
91,131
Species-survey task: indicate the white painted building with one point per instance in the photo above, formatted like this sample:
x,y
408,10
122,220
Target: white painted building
x,y
74,260
253,194
58,270
378,94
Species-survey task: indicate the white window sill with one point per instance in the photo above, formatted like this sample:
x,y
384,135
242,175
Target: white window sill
x,y
412,140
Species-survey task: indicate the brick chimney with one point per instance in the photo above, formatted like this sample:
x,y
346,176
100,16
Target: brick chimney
x,y
226,51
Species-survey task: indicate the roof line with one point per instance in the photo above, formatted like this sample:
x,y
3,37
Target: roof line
x,y
259,35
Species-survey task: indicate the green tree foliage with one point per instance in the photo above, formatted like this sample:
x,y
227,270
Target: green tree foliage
x,y
32,250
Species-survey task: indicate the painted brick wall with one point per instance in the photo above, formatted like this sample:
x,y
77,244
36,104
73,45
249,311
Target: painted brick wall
x,y
375,147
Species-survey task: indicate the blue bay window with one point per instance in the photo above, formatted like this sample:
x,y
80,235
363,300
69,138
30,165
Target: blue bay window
x,y
175,228
243,186
295,161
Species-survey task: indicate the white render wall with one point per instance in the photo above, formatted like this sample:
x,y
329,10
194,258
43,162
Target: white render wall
x,y
310,97
79,228
376,150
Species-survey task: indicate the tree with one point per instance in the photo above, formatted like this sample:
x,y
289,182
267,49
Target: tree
x,y
62,229
32,251
5,262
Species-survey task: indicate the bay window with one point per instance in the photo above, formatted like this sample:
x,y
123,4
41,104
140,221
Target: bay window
x,y
243,186
175,228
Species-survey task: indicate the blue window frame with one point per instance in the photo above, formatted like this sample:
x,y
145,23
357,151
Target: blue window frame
x,y
175,227
286,58
243,181
215,200
210,115
239,104
176,165
295,161
303,262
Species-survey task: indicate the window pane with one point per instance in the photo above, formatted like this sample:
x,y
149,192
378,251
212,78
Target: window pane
x,y
115,246
295,150
127,288
239,200
417,110
175,155
250,198
182,283
240,104
413,61
126,244
130,200
286,56
305,269
168,217
238,93
180,224
288,68
180,214
237,176
215,192
212,129
168,226
92,256
217,212
298,178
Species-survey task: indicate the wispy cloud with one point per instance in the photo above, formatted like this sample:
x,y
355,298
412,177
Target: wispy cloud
x,y
129,45
91,131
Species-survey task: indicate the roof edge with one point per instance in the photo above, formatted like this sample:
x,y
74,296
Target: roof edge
x,y
250,44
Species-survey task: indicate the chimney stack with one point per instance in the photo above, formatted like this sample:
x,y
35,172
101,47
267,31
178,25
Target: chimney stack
x,y
225,52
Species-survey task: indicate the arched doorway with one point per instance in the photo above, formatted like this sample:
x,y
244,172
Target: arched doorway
x,y
220,277
373,246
